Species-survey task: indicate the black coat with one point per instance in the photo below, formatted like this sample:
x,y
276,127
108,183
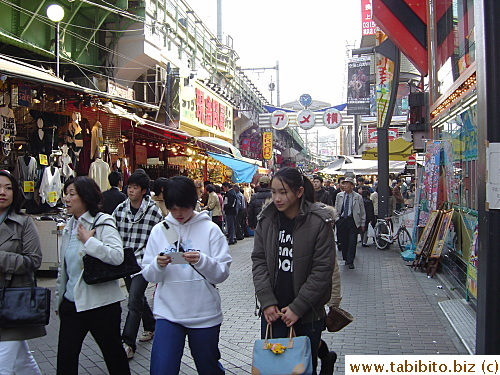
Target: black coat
x,y
370,212
255,205
323,196
111,199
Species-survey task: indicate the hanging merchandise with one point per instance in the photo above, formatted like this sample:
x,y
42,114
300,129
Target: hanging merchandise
x,y
7,126
97,141
26,172
99,172
66,164
51,186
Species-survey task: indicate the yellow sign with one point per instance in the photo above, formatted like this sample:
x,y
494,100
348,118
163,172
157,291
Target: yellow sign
x,y
52,198
204,110
267,145
29,186
43,159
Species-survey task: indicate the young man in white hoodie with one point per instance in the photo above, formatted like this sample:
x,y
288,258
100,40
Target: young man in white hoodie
x,y
186,301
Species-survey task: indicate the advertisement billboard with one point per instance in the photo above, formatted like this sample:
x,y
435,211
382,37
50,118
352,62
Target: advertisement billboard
x,y
358,87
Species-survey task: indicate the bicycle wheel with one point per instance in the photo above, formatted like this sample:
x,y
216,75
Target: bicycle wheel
x,y
382,235
404,238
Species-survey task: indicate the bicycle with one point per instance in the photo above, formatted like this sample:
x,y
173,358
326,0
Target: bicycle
x,y
384,232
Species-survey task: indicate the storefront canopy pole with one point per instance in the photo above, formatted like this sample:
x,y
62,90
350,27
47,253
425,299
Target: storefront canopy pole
x,y
488,112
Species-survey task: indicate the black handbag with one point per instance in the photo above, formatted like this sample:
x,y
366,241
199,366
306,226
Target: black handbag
x,y
96,271
24,306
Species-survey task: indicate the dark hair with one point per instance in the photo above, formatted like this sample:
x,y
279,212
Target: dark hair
x,y
17,198
88,191
365,194
139,178
294,179
319,178
236,187
159,185
217,189
180,191
210,188
205,183
227,184
341,179
114,178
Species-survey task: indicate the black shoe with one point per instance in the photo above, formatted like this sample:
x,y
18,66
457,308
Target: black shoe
x,y
351,266
364,245
232,243
328,363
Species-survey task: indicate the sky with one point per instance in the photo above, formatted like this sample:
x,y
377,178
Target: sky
x,y
309,39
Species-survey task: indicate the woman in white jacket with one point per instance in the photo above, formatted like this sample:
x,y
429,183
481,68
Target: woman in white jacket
x,y
82,307
186,301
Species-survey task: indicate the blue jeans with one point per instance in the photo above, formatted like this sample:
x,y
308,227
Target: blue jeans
x,y
168,346
312,330
138,308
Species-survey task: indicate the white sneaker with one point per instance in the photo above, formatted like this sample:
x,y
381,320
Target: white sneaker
x,y
129,351
146,336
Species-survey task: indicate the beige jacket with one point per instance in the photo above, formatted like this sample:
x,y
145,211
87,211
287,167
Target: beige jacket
x,y
213,204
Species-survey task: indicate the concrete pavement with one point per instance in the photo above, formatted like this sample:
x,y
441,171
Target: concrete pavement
x,y
395,309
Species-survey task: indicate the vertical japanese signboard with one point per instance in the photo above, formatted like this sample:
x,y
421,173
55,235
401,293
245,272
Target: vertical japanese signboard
x,y
267,145
384,74
368,25
358,88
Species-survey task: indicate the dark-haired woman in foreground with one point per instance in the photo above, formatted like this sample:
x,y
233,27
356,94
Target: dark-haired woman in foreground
x,y
186,302
19,250
293,260
82,307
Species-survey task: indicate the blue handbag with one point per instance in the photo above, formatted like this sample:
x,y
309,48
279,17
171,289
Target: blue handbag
x,y
291,355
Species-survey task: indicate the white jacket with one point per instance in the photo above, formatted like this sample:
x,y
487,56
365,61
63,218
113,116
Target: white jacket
x,y
105,245
183,296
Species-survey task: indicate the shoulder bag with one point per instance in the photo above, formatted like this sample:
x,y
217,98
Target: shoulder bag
x,y
96,271
337,319
24,306
290,355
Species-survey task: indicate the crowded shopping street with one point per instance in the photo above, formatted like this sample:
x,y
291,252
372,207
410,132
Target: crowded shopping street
x,y
395,311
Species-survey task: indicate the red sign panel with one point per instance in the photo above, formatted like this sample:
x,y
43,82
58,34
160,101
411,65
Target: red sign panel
x,y
373,137
209,111
369,27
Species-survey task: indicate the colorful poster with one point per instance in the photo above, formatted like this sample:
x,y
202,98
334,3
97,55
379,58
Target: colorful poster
x,y
267,145
429,192
358,87
384,75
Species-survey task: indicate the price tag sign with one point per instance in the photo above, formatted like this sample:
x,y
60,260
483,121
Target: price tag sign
x,y
52,197
29,186
43,159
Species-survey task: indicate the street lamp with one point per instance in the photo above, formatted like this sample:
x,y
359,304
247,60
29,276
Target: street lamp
x,y
55,12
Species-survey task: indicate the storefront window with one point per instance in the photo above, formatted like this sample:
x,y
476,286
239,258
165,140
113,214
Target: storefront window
x,y
455,41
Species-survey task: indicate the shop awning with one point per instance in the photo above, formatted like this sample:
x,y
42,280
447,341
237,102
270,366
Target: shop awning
x,y
399,150
362,167
18,69
242,170
217,144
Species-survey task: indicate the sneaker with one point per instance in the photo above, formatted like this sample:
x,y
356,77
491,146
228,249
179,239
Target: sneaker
x,y
146,336
328,363
129,351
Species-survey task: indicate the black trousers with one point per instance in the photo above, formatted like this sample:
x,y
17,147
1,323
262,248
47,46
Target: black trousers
x,y
104,325
347,234
241,220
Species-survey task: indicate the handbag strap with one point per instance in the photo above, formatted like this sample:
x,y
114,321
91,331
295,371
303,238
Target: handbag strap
x,y
269,335
8,280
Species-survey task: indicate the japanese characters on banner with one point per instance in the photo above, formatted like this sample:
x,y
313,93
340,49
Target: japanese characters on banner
x,y
384,74
369,27
279,120
306,119
430,180
206,111
332,118
267,145
358,88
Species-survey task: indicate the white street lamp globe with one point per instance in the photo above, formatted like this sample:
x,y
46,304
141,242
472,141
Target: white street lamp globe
x,y
55,12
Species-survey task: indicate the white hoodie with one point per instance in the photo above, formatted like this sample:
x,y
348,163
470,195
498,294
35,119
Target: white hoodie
x,y
183,296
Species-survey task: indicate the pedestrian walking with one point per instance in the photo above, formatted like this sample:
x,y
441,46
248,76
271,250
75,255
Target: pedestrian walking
x,y
230,210
293,259
258,200
158,186
135,218
241,216
114,196
186,301
370,216
396,191
322,195
19,249
352,218
214,205
82,307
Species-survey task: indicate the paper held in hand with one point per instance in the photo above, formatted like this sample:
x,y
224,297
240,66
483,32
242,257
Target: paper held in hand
x,y
177,258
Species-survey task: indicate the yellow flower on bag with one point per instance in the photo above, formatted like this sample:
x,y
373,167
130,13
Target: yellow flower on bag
x,y
276,348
